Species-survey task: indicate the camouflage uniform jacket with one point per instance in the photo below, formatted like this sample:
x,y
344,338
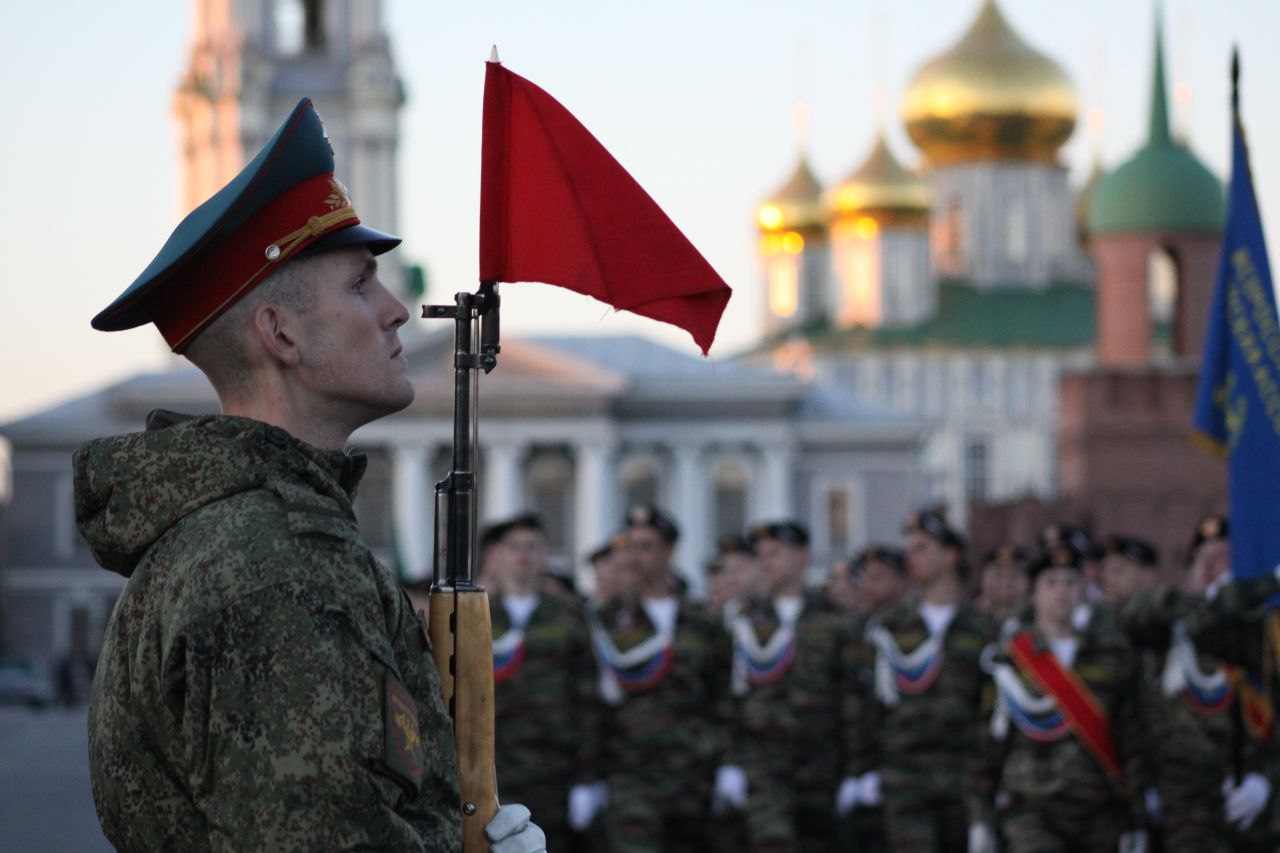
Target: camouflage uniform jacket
x,y
790,728
923,744
676,730
261,673
547,711
1062,776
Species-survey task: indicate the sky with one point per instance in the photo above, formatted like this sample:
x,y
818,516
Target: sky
x,y
695,98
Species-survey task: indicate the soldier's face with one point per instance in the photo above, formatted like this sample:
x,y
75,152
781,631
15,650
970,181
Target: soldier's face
x,y
1122,577
927,558
525,555
648,553
879,585
350,357
1055,594
1212,560
781,564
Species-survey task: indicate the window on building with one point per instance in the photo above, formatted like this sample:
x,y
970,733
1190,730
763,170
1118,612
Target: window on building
x,y
639,476
949,237
839,512
1162,285
299,26
1015,232
549,482
977,465
730,483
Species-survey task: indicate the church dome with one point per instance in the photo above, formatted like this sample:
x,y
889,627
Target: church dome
x,y
1163,187
991,97
796,205
880,184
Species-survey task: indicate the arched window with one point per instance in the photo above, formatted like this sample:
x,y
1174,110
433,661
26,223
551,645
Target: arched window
x,y
549,483
1162,285
299,26
730,482
639,476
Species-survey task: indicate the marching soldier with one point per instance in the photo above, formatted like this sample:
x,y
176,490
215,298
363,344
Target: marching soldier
x,y
915,730
880,573
788,645
1213,758
1063,741
1002,584
664,666
735,574
1128,565
545,704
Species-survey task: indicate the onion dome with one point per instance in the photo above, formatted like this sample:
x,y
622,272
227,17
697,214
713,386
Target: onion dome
x,y
796,205
1163,188
991,97
879,185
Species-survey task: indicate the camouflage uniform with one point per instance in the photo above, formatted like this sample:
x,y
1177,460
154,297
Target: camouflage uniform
x,y
662,745
1193,744
264,683
1059,796
547,714
923,745
787,733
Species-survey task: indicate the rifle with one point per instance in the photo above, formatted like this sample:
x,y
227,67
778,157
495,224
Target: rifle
x,y
461,633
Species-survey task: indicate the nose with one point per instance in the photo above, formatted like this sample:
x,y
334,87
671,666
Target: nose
x,y
396,312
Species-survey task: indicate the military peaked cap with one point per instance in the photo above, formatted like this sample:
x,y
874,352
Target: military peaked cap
x,y
286,203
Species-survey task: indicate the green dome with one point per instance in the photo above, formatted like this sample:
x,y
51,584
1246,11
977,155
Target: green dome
x,y
1161,188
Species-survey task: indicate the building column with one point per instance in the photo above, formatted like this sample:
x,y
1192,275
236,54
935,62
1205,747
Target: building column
x,y
692,509
502,489
775,498
411,508
596,513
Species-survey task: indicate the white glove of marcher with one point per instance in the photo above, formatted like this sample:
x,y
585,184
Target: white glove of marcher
x,y
511,831
585,802
869,789
1244,802
982,838
847,796
1134,841
731,789
1151,800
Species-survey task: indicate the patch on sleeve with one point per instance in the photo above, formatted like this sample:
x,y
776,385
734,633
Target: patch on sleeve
x,y
403,752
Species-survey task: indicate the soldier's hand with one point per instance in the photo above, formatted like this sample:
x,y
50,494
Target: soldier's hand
x,y
731,789
1134,841
585,802
1244,802
982,838
511,831
847,796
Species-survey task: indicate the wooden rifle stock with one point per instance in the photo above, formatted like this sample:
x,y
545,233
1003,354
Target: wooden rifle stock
x,y
461,633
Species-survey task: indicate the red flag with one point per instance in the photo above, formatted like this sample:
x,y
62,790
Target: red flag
x,y
555,207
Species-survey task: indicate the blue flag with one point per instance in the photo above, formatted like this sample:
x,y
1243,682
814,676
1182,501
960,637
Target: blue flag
x,y
1238,400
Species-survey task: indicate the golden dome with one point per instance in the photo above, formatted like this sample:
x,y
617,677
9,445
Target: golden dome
x,y
797,205
880,184
991,97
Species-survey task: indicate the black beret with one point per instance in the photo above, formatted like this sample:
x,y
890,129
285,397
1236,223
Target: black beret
x,y
1135,549
1060,556
933,523
1006,553
1073,537
784,531
647,515
601,553
495,533
1210,528
734,545
890,556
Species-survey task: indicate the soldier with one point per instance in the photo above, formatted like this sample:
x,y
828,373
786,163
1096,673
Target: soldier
x,y
880,572
606,565
264,683
916,727
1128,565
1064,738
545,702
664,677
785,762
1002,585
1214,783
736,575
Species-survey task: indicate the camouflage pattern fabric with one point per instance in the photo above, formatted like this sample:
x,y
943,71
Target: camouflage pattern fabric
x,y
1192,746
264,683
547,715
1060,797
662,746
924,745
787,733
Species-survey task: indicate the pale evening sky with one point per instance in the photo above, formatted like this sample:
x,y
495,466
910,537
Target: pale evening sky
x,y
694,98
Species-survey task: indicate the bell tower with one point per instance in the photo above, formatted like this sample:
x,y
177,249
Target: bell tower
x,y
250,61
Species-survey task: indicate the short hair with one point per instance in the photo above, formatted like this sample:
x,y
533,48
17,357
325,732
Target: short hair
x,y
221,350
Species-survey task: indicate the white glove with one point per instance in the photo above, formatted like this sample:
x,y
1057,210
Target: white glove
x,y
511,831
731,789
585,802
1134,841
847,796
1244,802
869,789
1152,803
982,839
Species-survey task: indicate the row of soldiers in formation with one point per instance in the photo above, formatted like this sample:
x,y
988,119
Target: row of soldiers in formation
x,y
1074,703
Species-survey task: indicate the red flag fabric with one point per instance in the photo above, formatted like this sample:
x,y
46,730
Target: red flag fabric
x,y
555,207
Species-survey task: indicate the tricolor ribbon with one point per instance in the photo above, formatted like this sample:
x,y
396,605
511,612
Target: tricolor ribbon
x,y
637,670
899,672
756,664
1036,716
1204,692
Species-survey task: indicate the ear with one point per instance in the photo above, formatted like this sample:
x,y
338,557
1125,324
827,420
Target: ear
x,y
276,331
